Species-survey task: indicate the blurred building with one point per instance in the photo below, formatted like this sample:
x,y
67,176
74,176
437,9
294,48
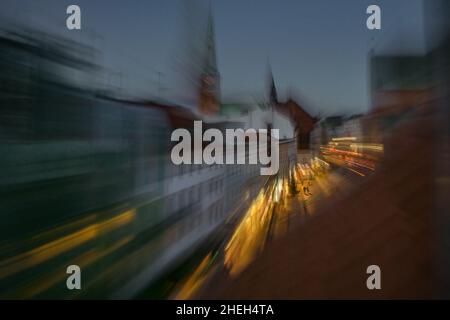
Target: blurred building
x,y
402,84
399,84
303,122
324,130
352,127
209,90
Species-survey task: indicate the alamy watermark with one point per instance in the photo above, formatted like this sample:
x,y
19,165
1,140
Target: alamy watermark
x,y
374,280
74,280
73,21
236,143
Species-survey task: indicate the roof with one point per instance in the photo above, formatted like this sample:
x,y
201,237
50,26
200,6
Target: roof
x,y
236,108
302,119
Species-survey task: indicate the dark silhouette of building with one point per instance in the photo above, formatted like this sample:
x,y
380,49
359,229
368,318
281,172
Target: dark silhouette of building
x,y
302,120
209,93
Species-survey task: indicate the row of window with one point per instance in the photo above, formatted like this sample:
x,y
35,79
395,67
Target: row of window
x,y
191,195
213,215
178,170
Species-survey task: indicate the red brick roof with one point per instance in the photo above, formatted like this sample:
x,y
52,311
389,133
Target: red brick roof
x,y
303,121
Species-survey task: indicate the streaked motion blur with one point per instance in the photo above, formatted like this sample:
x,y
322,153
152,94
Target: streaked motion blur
x,y
86,179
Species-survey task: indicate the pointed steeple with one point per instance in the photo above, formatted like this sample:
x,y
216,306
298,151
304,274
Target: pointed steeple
x,y
273,97
210,77
211,61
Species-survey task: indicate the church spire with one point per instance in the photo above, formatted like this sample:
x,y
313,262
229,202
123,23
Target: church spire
x,y
210,77
211,61
273,97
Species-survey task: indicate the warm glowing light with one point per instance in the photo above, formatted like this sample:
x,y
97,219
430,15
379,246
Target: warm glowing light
x,y
344,139
56,247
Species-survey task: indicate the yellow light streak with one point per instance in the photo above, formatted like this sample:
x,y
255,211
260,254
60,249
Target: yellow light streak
x,y
54,248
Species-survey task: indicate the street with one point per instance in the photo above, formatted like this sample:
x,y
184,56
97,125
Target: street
x,y
265,222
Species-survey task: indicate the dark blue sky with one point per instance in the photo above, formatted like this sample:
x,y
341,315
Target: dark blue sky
x,y
317,49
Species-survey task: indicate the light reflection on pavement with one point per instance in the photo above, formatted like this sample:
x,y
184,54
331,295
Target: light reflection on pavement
x,y
269,216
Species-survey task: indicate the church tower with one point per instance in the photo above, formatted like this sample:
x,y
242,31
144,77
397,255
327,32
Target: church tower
x,y
209,93
273,96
